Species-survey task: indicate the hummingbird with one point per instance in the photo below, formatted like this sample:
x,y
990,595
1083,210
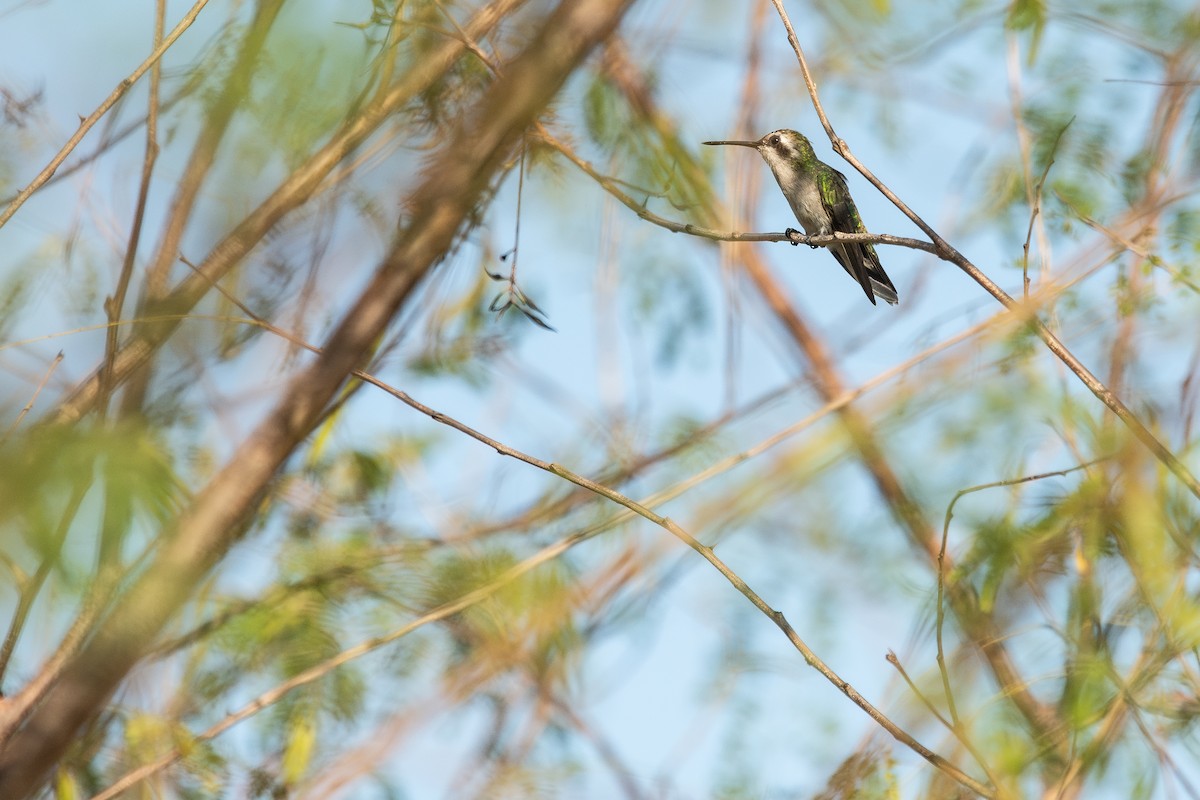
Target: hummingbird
x,y
821,201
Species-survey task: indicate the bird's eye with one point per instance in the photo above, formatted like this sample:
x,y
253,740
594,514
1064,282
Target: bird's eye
x,y
773,140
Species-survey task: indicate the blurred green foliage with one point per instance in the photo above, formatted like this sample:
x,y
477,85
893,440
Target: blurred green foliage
x,y
382,517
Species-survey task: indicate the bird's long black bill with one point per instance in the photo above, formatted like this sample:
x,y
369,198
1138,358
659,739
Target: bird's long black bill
x,y
742,144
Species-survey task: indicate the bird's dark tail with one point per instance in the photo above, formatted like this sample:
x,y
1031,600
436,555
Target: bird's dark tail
x,y
862,263
884,289
880,282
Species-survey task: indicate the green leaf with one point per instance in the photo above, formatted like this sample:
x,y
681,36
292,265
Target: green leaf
x,y
1028,15
298,754
65,787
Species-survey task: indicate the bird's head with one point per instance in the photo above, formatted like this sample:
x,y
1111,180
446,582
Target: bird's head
x,y
785,151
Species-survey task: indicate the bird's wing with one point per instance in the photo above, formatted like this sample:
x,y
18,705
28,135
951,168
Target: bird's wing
x,y
835,192
845,218
835,196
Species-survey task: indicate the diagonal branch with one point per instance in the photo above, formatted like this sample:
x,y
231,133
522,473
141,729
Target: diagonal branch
x,y
612,186
114,304
947,252
90,121
318,671
644,511
297,189
707,553
979,627
639,508
217,121
442,204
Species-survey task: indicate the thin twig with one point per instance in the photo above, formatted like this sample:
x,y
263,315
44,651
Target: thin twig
x,y
1150,258
443,205
32,398
31,588
622,773
110,140
749,104
810,657
1012,57
955,727
941,573
318,671
198,167
795,237
894,660
114,304
947,252
87,123
1035,211
306,181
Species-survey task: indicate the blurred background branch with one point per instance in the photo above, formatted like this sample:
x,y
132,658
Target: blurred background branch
x,y
202,525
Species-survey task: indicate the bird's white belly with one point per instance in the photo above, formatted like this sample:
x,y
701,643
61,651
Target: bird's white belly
x,y
805,200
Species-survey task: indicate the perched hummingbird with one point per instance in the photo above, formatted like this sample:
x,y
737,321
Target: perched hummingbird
x,y
821,201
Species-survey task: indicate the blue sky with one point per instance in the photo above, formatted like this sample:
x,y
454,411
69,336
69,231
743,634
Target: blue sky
x,y
652,689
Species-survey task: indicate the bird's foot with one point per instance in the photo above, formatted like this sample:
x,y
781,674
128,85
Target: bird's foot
x,y
796,237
